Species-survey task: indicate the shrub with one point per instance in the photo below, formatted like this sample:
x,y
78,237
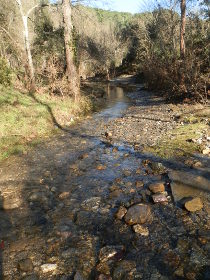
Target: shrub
x,y
5,73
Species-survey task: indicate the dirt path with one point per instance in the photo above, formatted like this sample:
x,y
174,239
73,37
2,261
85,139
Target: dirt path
x,y
70,197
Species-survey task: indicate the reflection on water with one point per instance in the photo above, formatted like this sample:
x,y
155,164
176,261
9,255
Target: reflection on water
x,y
116,103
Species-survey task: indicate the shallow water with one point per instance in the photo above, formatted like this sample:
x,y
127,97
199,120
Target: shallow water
x,y
116,102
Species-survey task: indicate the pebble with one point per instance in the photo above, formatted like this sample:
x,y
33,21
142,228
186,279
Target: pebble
x,y
141,230
101,167
48,267
159,198
25,265
111,252
121,213
139,184
64,195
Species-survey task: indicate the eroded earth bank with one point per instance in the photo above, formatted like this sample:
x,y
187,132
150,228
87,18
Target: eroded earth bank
x,y
91,204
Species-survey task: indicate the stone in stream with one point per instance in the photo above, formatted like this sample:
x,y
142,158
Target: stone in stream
x,y
92,203
157,187
188,184
138,214
194,204
48,267
159,198
114,253
127,173
141,230
121,213
25,265
101,167
115,193
139,184
115,150
64,195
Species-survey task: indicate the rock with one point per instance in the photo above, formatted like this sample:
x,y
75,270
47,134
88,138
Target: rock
x,y
141,230
101,167
115,193
196,181
92,203
127,173
48,267
138,171
157,187
78,276
157,167
121,213
206,151
108,134
194,204
25,265
181,191
115,150
138,214
114,253
114,188
128,184
159,198
139,184
64,195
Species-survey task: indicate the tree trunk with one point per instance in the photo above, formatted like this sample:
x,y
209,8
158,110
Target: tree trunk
x,y
182,28
70,66
27,46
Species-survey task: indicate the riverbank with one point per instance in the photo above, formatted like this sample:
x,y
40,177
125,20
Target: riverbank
x,y
28,120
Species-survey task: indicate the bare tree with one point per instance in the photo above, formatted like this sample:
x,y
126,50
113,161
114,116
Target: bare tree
x,y
68,39
27,42
182,28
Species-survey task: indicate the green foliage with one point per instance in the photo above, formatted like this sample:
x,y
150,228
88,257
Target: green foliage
x,y
5,73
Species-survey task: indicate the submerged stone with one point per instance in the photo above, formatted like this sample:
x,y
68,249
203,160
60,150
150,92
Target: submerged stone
x,y
25,265
138,214
157,187
48,267
121,213
141,230
159,198
114,253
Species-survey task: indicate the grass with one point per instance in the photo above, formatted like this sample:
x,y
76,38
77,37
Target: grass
x,y
26,121
178,142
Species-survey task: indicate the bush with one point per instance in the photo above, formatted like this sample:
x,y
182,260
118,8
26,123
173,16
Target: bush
x,y
5,73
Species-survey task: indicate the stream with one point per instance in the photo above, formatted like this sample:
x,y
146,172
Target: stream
x,y
81,206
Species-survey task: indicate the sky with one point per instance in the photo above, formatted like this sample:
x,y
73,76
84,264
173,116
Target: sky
x,y
131,6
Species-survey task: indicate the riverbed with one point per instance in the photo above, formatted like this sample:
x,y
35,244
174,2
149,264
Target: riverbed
x,y
68,204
